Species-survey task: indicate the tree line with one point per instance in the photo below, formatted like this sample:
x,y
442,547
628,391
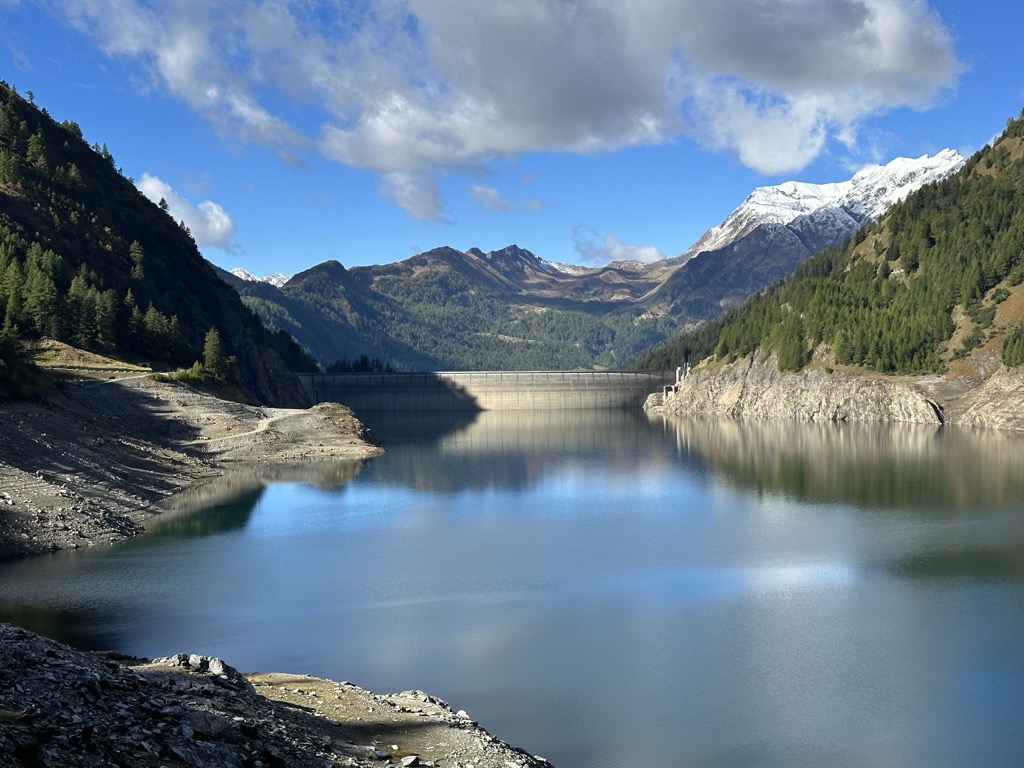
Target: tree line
x,y
86,259
886,299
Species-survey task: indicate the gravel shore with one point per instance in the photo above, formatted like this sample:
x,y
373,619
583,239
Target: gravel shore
x,y
61,708
89,464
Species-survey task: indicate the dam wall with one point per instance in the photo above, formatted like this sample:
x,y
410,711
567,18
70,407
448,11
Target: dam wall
x,y
486,390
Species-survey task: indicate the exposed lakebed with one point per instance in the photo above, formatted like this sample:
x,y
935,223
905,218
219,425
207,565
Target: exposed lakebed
x,y
606,589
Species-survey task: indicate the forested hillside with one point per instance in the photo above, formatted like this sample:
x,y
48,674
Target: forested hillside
x,y
449,310
935,280
87,259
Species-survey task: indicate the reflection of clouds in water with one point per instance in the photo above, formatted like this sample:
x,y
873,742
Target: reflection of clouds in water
x,y
522,449
715,584
786,577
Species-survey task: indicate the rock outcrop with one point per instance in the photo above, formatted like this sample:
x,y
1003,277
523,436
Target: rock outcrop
x,y
60,708
995,403
750,388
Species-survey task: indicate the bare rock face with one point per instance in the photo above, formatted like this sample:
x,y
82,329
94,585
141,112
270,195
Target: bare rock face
x,y
751,389
996,403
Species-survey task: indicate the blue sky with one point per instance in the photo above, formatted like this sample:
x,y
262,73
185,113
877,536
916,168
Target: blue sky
x,y
289,132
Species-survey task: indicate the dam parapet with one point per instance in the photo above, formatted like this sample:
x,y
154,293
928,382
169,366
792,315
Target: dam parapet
x,y
486,390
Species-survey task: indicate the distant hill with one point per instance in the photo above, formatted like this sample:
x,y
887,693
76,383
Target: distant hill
x,y
87,259
509,309
447,309
934,286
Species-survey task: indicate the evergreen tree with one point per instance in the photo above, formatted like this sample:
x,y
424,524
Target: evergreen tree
x,y
106,320
11,291
138,257
1013,348
791,344
213,356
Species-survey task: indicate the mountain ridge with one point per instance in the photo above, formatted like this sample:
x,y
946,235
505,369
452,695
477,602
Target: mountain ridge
x,y
931,293
864,197
86,259
538,313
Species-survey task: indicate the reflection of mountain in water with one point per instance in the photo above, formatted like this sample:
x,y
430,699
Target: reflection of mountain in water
x,y
515,449
87,628
415,426
226,503
870,465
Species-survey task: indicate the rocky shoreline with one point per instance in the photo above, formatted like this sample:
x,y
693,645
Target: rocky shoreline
x,y
756,389
97,462
91,463
60,707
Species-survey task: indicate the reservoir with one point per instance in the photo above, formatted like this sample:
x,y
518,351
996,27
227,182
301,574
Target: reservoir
x,y
607,589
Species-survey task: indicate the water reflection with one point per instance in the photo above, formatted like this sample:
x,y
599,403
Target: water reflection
x,y
1000,561
607,589
424,426
102,586
511,449
880,466
226,502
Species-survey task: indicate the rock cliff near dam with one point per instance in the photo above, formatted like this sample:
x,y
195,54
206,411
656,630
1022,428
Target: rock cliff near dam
x,y
750,388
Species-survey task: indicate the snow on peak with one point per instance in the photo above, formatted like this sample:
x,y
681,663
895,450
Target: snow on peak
x,y
275,278
570,269
864,197
878,187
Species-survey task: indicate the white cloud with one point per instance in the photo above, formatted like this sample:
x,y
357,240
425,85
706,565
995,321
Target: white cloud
x,y
409,88
610,249
210,224
491,199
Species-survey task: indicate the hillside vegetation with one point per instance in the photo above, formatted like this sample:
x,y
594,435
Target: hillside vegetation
x,y
449,310
935,281
86,259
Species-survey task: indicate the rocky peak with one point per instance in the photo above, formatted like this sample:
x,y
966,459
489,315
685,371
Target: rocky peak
x,y
274,278
862,198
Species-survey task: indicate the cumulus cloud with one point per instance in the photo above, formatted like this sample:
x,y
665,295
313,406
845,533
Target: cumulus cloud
x,y
610,248
411,88
210,224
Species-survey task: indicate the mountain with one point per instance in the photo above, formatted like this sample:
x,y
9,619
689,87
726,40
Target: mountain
x,y
274,278
777,227
449,309
85,258
849,204
934,286
452,310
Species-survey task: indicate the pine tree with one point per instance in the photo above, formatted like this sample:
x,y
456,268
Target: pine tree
x,y
106,320
138,257
213,356
11,291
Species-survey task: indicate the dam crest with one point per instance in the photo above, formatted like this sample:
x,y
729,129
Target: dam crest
x,y
486,390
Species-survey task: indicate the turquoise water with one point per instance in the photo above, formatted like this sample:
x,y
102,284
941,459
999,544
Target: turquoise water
x,y
608,590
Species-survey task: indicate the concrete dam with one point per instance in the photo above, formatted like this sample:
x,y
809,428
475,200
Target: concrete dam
x,y
486,390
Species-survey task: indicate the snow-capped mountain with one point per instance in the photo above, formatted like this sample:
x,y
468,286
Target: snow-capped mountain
x,y
275,278
777,227
844,205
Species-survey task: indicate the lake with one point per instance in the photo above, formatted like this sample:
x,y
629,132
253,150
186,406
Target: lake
x,y
607,589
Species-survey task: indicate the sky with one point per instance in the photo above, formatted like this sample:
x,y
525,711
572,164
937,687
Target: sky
x,y
289,132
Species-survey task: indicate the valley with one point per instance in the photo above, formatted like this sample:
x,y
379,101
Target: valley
x,y
446,309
